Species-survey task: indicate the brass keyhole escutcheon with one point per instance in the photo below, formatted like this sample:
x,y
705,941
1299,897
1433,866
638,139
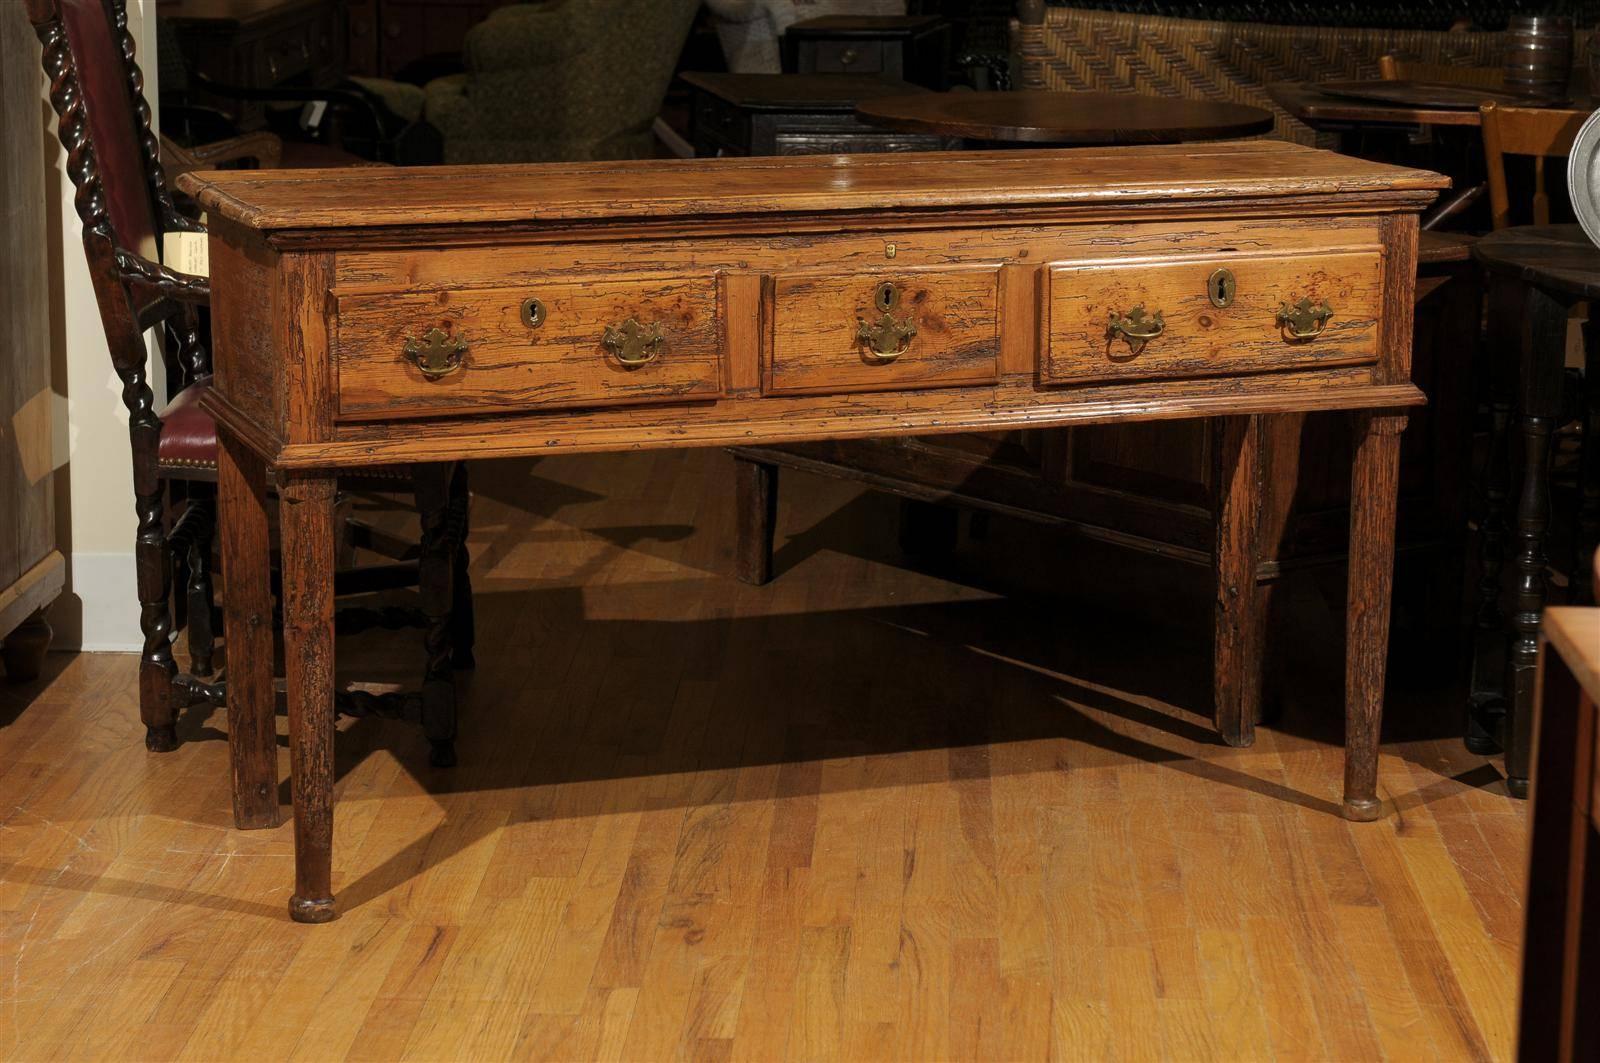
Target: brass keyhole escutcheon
x,y
1221,288
886,298
532,313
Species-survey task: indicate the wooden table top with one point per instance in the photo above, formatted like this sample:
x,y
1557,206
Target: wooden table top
x,y
1099,118
811,93
1312,105
1559,257
660,189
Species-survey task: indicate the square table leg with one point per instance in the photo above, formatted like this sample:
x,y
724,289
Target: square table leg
x,y
1374,491
306,516
247,562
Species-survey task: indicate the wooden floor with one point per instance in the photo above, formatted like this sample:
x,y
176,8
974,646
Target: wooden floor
x,y
869,811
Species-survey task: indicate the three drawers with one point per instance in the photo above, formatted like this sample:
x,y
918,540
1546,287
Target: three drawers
x,y
1046,308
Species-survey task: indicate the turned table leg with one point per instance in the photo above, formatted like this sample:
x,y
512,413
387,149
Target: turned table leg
x,y
306,515
247,620
1374,489
1238,627
1538,409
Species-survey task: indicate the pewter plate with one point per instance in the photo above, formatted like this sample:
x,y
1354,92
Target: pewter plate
x,y
1583,177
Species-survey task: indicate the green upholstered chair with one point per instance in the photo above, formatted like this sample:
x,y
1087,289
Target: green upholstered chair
x,y
562,80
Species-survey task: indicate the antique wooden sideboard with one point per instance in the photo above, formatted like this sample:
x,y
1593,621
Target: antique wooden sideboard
x,y
454,313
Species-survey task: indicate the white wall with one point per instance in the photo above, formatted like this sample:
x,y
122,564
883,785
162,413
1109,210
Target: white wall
x,y
95,521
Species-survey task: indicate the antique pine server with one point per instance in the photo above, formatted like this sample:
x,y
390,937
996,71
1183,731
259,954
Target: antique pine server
x,y
371,317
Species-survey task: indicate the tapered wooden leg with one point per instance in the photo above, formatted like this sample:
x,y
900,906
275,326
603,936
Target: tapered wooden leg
x,y
1236,657
1374,489
463,625
1538,409
306,516
756,498
436,570
247,627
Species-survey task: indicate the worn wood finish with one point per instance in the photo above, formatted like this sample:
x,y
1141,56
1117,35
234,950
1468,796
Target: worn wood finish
x,y
560,362
1540,132
815,322
969,271
1240,600
1048,117
1560,963
252,702
701,809
1374,483
1198,337
307,519
515,197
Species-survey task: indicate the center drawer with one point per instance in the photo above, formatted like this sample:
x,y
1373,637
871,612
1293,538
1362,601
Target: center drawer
x,y
542,345
882,330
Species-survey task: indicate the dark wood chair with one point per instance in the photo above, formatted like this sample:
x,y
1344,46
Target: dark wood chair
x,y
123,201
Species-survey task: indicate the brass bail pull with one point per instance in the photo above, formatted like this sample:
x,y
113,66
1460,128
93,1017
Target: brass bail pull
x,y
1137,327
634,344
437,354
888,339
1303,321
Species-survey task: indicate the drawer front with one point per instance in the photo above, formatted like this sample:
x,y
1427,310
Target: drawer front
x,y
883,330
849,57
1194,336
579,349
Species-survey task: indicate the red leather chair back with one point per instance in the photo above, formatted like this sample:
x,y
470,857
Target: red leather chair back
x,y
113,123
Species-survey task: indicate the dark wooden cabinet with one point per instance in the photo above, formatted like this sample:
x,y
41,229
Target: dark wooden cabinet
x,y
788,114
914,48
259,44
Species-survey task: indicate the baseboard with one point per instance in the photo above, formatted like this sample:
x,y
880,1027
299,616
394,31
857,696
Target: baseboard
x,y
99,612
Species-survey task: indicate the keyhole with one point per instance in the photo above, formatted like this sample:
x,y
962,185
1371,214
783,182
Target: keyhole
x,y
1220,288
887,297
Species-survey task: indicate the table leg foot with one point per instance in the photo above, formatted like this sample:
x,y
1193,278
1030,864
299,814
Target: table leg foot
x,y
312,909
1362,809
1516,787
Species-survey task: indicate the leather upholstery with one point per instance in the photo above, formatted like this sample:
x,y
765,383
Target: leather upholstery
x,y
112,124
188,449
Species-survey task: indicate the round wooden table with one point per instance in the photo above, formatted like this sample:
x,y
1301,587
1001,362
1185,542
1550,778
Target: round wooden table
x,y
1065,118
1560,267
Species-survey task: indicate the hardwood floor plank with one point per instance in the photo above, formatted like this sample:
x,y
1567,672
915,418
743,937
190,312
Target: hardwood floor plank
x,y
871,810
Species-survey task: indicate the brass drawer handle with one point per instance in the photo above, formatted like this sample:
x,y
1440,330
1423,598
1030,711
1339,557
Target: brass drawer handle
x,y
437,354
1137,327
888,339
633,344
1303,321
